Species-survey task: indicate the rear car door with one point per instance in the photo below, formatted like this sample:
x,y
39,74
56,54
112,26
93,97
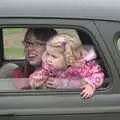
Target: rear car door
x,y
64,103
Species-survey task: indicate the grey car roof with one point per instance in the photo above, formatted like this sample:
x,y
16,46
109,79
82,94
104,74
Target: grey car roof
x,y
75,9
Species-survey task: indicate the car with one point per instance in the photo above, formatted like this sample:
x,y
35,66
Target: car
x,y
94,22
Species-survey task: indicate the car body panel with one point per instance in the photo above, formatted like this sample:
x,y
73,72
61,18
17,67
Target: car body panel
x,y
110,33
65,105
86,9
48,104
90,16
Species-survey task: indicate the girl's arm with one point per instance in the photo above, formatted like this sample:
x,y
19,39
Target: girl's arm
x,y
91,72
96,79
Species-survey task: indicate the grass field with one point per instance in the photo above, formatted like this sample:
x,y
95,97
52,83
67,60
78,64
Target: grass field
x,y
13,47
14,31
14,53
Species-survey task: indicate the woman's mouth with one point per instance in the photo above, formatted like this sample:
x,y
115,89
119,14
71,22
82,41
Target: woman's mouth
x,y
31,56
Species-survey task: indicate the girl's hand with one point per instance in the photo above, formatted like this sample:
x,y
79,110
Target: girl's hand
x,y
50,83
37,82
87,91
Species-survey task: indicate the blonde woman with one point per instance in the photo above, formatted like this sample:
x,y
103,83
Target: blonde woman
x,y
70,65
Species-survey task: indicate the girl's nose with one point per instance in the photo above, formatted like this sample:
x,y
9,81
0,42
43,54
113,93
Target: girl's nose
x,y
49,60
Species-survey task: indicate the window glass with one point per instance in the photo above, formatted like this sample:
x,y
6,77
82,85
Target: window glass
x,y
13,48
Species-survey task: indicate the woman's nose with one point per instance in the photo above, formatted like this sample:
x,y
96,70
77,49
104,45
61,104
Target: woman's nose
x,y
30,47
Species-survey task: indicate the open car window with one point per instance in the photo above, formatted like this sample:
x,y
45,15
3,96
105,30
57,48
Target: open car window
x,y
14,53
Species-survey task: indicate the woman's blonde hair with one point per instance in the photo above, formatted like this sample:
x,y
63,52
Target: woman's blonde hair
x,y
69,45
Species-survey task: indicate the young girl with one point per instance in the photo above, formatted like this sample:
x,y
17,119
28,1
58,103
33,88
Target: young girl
x,y
70,65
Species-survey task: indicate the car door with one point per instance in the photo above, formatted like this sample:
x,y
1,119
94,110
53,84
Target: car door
x,y
63,103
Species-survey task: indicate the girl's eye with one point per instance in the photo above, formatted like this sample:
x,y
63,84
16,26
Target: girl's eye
x,y
54,56
47,53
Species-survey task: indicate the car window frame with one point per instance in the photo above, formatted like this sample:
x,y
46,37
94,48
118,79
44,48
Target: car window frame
x,y
56,26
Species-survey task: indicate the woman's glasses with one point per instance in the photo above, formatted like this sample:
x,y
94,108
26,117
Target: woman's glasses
x,y
31,44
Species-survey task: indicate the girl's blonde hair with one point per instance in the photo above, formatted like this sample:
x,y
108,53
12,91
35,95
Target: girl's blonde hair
x,y
69,45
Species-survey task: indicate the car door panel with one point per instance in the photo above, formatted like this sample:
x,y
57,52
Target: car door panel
x,y
64,106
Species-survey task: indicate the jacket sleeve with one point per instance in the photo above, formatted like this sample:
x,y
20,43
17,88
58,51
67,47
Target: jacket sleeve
x,y
96,78
91,72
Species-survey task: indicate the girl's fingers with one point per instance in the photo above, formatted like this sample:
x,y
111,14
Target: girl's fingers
x,y
50,79
83,92
37,83
84,95
50,84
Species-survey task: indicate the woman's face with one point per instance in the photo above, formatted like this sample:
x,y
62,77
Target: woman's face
x,y
34,50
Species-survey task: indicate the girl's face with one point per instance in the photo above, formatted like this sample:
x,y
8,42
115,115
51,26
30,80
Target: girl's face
x,y
34,50
55,57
